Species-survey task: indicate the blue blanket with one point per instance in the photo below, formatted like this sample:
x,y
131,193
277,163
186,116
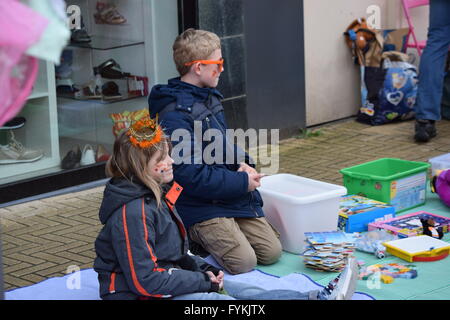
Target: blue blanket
x,y
83,285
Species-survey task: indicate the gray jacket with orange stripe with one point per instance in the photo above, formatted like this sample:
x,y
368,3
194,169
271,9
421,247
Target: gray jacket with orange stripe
x,y
141,249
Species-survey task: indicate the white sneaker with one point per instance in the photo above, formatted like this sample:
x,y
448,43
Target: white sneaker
x,y
15,152
343,287
88,156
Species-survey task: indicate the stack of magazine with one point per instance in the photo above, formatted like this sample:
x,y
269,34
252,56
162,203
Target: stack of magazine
x,y
328,251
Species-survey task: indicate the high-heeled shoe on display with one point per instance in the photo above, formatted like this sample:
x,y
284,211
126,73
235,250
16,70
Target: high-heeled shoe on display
x,y
108,14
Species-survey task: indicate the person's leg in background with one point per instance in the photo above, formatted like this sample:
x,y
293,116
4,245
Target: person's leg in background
x,y
431,71
245,291
341,288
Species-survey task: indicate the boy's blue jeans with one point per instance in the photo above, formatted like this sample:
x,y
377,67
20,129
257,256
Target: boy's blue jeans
x,y
431,69
244,291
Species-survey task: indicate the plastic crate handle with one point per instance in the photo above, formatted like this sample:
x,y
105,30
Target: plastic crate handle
x,y
358,176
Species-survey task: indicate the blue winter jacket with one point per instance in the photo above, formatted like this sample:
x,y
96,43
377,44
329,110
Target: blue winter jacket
x,y
142,249
214,189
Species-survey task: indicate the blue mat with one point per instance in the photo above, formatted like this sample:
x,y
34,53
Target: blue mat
x,y
83,285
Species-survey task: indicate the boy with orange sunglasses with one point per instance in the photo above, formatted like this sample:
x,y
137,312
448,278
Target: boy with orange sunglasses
x,y
220,206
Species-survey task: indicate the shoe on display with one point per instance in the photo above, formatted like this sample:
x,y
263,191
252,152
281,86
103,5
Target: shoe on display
x,y
14,123
15,152
110,90
65,87
108,14
88,155
66,91
80,35
424,130
110,69
89,90
102,154
343,286
72,158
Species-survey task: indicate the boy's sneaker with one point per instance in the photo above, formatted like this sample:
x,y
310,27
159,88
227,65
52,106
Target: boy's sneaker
x,y
343,286
15,152
424,130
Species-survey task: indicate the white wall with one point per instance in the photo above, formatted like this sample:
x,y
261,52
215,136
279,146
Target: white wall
x,y
332,80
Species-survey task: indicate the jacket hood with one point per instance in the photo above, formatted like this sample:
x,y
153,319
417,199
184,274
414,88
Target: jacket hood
x,y
117,193
183,93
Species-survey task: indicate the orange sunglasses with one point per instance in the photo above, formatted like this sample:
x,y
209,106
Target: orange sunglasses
x,y
218,62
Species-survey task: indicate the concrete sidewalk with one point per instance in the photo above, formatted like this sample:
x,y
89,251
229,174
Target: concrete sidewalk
x,y
43,238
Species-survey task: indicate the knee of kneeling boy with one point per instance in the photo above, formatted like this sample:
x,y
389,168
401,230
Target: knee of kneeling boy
x,y
270,254
245,264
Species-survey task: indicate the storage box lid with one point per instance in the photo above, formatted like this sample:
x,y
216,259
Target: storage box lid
x,y
296,189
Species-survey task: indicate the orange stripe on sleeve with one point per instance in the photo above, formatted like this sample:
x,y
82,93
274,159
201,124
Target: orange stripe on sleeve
x,y
154,259
112,284
136,283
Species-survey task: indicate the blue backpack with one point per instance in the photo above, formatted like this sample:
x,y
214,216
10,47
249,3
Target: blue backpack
x,y
388,93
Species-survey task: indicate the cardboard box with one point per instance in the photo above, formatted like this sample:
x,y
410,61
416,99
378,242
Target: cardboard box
x,y
356,212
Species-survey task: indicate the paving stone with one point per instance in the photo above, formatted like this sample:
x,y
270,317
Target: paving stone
x,y
26,258
12,282
59,247
16,267
33,269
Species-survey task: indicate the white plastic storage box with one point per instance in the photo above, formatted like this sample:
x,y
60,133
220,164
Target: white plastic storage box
x,y
295,205
441,162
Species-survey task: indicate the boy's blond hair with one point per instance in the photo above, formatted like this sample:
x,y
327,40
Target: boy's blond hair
x,y
193,45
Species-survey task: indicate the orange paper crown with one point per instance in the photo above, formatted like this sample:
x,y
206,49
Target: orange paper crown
x,y
145,132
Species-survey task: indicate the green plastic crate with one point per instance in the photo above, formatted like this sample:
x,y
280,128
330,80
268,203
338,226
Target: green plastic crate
x,y
400,183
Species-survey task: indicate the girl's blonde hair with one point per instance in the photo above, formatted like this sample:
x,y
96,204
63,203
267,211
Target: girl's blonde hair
x,y
129,161
193,45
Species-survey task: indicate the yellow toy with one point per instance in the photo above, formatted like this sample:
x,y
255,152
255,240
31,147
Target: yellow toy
x,y
386,279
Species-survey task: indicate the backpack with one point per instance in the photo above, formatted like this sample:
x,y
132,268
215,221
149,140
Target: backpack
x,y
388,93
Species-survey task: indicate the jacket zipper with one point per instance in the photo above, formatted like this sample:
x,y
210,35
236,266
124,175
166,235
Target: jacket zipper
x,y
208,106
251,206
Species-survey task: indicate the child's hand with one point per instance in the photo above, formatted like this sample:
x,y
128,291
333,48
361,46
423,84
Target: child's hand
x,y
246,168
218,279
254,181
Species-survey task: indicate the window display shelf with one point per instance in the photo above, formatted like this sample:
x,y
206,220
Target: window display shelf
x,y
11,172
100,101
38,94
105,43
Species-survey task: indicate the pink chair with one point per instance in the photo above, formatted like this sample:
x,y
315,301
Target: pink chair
x,y
409,4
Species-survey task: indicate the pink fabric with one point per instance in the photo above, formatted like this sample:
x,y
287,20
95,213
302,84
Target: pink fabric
x,y
20,27
443,186
415,3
